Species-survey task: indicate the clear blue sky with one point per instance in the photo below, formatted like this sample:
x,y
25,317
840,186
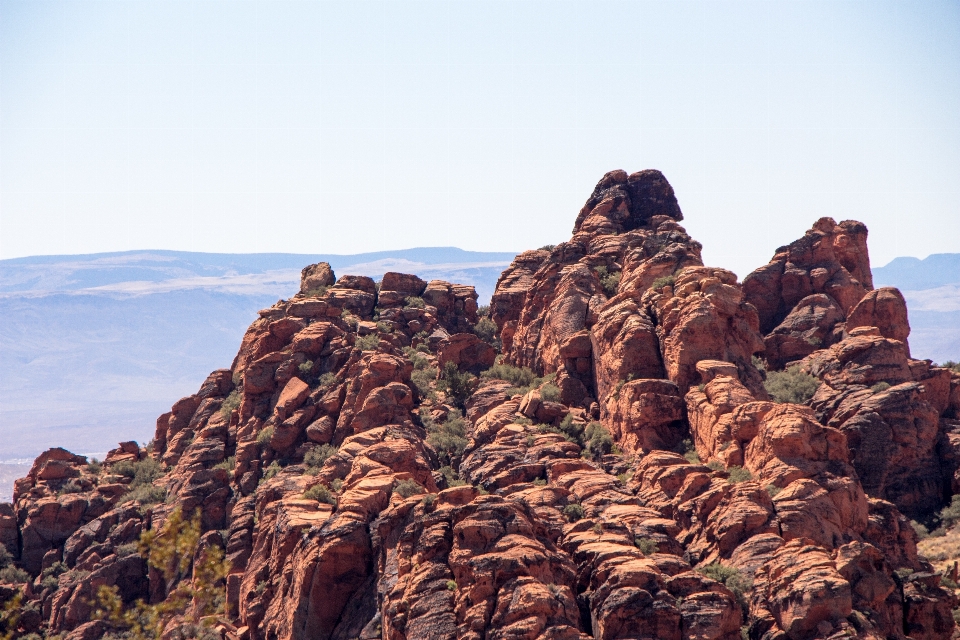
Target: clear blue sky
x,y
358,126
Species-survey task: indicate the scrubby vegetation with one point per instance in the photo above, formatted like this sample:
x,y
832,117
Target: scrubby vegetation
x,y
550,392
313,460
458,385
141,474
231,402
574,511
320,493
792,385
880,387
368,343
737,582
198,591
486,330
522,378
609,281
407,488
447,438
663,282
738,474
263,438
597,441
415,302
646,546
273,469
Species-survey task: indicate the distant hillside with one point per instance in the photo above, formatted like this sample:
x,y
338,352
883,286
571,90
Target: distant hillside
x,y
932,289
84,335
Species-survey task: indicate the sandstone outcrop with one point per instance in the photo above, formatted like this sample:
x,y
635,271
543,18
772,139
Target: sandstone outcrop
x,y
638,481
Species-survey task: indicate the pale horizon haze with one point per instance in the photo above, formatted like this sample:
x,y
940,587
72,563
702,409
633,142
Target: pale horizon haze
x,y
349,127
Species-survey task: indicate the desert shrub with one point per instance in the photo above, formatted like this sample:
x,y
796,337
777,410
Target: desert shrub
x,y
813,341
327,380
690,451
349,319
428,501
320,493
597,440
422,379
948,517
486,330
573,511
451,585
56,569
368,342
271,471
146,494
451,476
572,430
14,575
540,482
880,387
483,311
950,364
194,586
792,385
71,486
415,302
609,281
6,559
758,364
522,378
306,368
94,466
456,384
407,488
773,490
548,247
715,465
263,438
314,459
550,392
231,402
663,282
738,474
128,549
737,582
646,545
921,531
227,465
623,477
447,438
50,582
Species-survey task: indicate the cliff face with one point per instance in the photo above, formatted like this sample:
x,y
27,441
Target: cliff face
x,y
627,468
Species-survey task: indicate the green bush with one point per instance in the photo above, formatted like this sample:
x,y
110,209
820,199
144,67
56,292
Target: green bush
x,y
738,583
95,466
306,368
14,575
880,387
922,532
328,380
273,469
407,488
415,302
456,384
448,438
690,451
368,342
609,281
738,474
263,438
598,441
486,330
231,402
142,475
550,392
227,465
646,546
451,585
320,493
773,490
146,494
792,385
451,476
71,486
663,282
5,558
422,379
573,511
548,247
314,459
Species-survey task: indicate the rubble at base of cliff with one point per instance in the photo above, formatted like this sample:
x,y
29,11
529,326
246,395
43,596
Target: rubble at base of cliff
x,y
625,444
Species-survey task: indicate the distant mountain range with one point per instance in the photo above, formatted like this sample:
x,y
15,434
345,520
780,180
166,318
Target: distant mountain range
x,y
82,335
932,289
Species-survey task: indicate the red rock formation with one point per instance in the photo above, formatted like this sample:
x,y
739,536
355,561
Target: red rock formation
x,y
315,460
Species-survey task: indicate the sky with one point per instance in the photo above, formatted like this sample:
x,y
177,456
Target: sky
x,y
346,127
